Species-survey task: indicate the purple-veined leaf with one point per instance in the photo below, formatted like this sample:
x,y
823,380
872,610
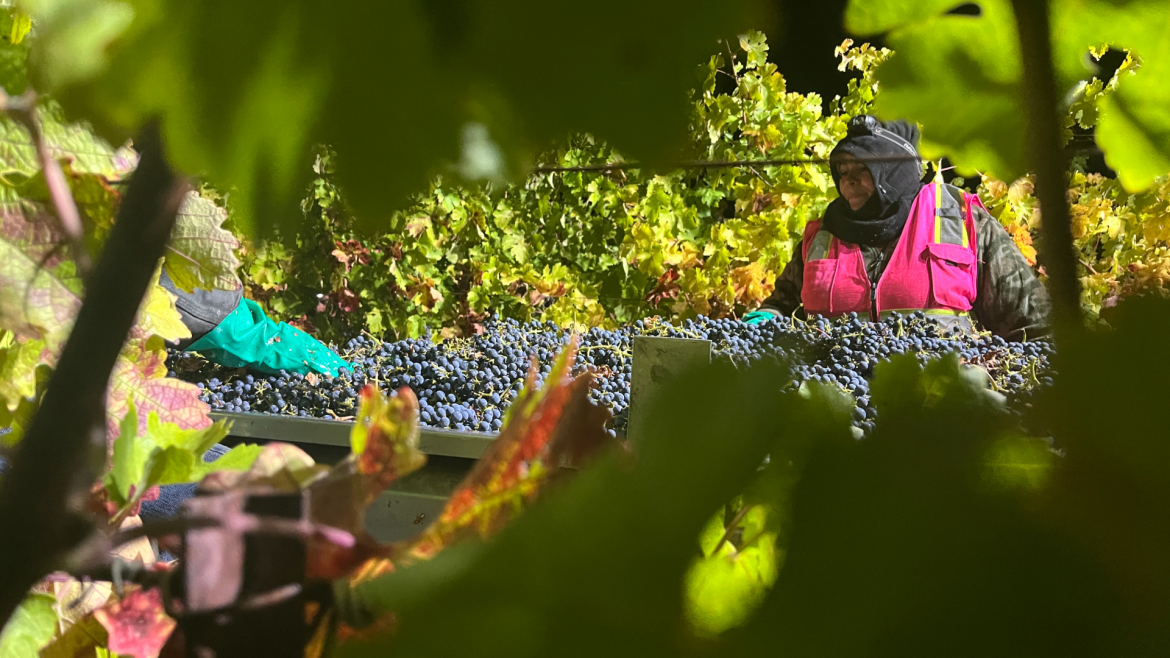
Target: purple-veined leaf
x,y
40,290
140,376
201,254
85,152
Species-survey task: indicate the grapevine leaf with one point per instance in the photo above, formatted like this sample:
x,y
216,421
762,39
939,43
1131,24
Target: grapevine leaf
x,y
139,375
239,458
170,465
902,526
384,441
201,253
85,152
96,198
197,441
247,106
961,77
385,438
1133,128
40,291
129,460
165,454
31,627
1117,464
18,370
284,463
282,466
86,637
21,24
1019,462
137,624
726,584
18,419
158,315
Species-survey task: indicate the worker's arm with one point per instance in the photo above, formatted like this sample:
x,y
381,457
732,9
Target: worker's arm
x,y
232,331
248,339
201,310
1011,302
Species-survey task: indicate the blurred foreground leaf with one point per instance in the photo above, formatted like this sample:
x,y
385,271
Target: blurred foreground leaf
x,y
1112,493
961,77
245,89
900,548
30,627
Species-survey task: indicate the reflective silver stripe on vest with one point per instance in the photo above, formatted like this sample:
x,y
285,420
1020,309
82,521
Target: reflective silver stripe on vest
x,y
950,226
819,248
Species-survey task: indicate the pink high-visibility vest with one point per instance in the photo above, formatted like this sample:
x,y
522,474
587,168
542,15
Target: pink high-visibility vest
x,y
933,267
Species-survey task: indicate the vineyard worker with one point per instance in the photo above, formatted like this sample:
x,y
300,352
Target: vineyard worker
x,y
233,331
890,243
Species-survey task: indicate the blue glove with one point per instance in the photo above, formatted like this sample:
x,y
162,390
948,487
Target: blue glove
x,y
247,338
758,317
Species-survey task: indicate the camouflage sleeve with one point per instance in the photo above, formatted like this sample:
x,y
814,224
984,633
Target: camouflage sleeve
x,y
785,299
1011,302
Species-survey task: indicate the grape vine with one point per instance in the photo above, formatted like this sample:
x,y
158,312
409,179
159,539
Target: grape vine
x,y
580,249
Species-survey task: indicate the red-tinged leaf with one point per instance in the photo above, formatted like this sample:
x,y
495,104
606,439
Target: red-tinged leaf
x,y
40,294
385,438
40,291
371,570
137,625
140,376
581,435
517,464
384,441
381,627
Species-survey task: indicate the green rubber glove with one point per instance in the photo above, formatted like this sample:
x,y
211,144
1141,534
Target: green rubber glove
x,y
757,317
247,338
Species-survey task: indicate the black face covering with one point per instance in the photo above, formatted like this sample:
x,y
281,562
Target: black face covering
x,y
890,152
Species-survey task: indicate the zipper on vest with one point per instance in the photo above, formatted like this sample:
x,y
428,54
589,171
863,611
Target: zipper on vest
x,y
873,312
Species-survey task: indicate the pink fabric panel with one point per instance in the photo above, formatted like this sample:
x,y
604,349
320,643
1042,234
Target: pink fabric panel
x,y
920,275
906,282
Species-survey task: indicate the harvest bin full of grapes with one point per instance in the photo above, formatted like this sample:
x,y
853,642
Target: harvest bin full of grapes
x,y
464,385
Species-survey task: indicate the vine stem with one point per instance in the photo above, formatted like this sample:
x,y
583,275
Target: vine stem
x,y
54,465
1049,161
731,527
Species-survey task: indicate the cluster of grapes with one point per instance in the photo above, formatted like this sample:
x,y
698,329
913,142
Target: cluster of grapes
x,y
467,383
847,349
